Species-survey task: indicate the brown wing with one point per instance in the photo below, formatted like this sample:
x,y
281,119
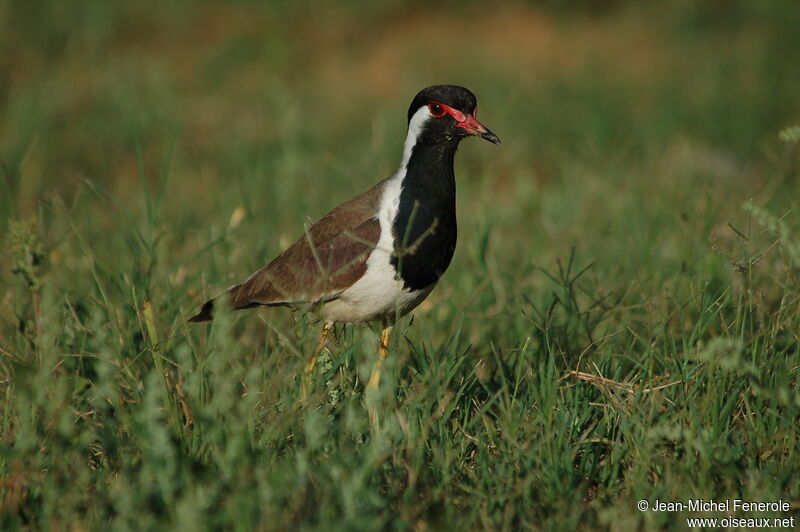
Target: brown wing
x,y
327,259
310,271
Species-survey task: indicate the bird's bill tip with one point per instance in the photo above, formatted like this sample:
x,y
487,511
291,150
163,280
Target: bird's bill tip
x,y
473,127
491,137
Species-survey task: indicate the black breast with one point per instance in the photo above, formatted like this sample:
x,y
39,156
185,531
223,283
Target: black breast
x,y
425,227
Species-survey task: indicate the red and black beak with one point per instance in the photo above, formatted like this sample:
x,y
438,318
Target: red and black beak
x,y
473,127
468,123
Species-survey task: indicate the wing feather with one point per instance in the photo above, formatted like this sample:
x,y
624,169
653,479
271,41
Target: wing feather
x,y
309,272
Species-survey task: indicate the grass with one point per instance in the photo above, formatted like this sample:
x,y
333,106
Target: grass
x,y
621,320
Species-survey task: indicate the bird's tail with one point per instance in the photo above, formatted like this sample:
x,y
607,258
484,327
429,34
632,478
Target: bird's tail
x,y
205,312
233,299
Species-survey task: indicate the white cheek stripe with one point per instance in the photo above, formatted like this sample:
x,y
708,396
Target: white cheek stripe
x,y
414,129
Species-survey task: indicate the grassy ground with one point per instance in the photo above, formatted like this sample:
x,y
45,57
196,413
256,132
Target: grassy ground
x,y
621,320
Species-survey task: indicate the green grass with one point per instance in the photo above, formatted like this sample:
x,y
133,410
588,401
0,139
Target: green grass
x,y
621,320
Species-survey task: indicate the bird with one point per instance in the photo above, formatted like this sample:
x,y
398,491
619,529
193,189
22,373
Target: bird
x,y
377,256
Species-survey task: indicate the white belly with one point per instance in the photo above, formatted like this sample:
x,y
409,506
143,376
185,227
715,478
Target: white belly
x,y
376,296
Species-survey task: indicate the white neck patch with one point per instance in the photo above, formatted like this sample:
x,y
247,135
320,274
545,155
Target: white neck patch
x,y
414,129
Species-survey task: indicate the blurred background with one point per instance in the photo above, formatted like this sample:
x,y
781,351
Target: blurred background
x,y
225,90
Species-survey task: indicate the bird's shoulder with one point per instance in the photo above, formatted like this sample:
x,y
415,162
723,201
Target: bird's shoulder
x,y
347,216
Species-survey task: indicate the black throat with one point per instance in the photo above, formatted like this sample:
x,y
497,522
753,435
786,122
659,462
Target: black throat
x,y
425,226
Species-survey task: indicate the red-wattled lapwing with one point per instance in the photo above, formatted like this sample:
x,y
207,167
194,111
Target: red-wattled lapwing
x,y
379,255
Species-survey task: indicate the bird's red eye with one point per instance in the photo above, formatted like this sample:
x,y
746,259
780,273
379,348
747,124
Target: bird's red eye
x,y
436,109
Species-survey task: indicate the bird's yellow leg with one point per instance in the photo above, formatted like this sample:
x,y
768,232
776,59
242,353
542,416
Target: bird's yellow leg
x,y
383,352
326,330
375,377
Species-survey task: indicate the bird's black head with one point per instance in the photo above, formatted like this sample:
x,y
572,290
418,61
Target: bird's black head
x,y
446,113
